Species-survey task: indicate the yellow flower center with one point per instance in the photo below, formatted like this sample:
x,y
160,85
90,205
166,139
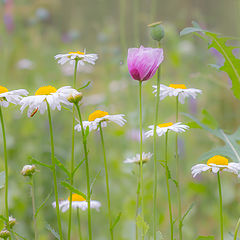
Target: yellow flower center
x,y
96,114
180,86
218,160
77,198
78,52
47,90
162,125
3,89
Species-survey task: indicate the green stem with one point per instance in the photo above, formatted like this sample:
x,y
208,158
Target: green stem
x,y
79,224
72,155
178,177
34,207
6,168
137,203
167,182
236,229
141,162
87,172
155,156
54,173
107,182
220,205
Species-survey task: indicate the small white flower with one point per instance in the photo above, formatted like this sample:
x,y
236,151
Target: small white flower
x,y
164,127
175,90
101,117
28,170
14,96
77,202
80,56
136,159
216,164
44,95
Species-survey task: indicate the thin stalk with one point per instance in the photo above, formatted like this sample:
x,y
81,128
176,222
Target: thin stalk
x,y
167,182
220,205
155,156
6,168
178,177
141,162
137,203
87,172
79,225
72,155
54,172
34,207
236,229
107,182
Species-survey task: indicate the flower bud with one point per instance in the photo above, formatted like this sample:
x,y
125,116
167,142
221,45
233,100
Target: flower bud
x,y
4,234
75,98
28,170
156,31
11,222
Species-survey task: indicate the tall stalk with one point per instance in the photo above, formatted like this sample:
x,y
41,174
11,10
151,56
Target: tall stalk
x,y
220,205
34,207
54,172
107,183
167,182
236,229
72,155
6,169
79,224
155,155
87,172
178,177
137,200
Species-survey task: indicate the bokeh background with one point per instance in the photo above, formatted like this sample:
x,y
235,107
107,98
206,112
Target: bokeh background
x,y
32,32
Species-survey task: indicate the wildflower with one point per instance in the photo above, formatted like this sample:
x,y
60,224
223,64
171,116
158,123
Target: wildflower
x,y
175,90
14,96
4,234
77,202
28,170
136,159
75,97
101,117
216,164
11,222
165,127
71,57
144,62
44,95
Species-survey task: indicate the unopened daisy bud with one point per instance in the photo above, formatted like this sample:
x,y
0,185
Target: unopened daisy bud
x,y
11,222
75,98
156,31
4,234
28,170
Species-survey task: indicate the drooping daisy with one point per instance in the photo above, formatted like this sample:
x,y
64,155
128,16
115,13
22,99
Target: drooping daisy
x,y
77,202
175,90
216,164
136,159
101,117
48,94
71,57
164,127
14,96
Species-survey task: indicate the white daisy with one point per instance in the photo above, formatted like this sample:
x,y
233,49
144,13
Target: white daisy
x,y
46,94
101,117
164,127
175,90
136,159
216,164
14,96
80,56
77,202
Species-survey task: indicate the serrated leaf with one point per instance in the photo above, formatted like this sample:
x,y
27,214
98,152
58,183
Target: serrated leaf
x,y
61,166
142,224
43,203
73,189
54,233
2,179
116,221
205,238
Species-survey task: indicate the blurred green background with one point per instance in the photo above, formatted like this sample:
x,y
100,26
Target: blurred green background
x,y
32,32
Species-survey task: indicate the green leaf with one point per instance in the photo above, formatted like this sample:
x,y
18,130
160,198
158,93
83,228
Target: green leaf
x,y
78,166
2,179
86,133
54,233
73,189
3,218
94,180
116,221
15,233
86,85
35,161
142,224
60,165
187,212
43,203
189,30
205,238
209,120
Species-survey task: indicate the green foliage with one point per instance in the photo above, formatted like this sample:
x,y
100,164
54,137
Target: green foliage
x,y
187,212
159,236
54,233
142,224
116,221
35,161
62,167
43,203
73,189
93,182
205,238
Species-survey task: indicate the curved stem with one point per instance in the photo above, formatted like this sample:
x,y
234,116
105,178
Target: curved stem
x,y
87,173
236,229
107,182
34,206
155,156
54,172
220,204
167,182
79,224
6,167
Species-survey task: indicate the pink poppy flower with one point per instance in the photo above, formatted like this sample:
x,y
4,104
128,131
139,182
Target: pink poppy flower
x,y
144,62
